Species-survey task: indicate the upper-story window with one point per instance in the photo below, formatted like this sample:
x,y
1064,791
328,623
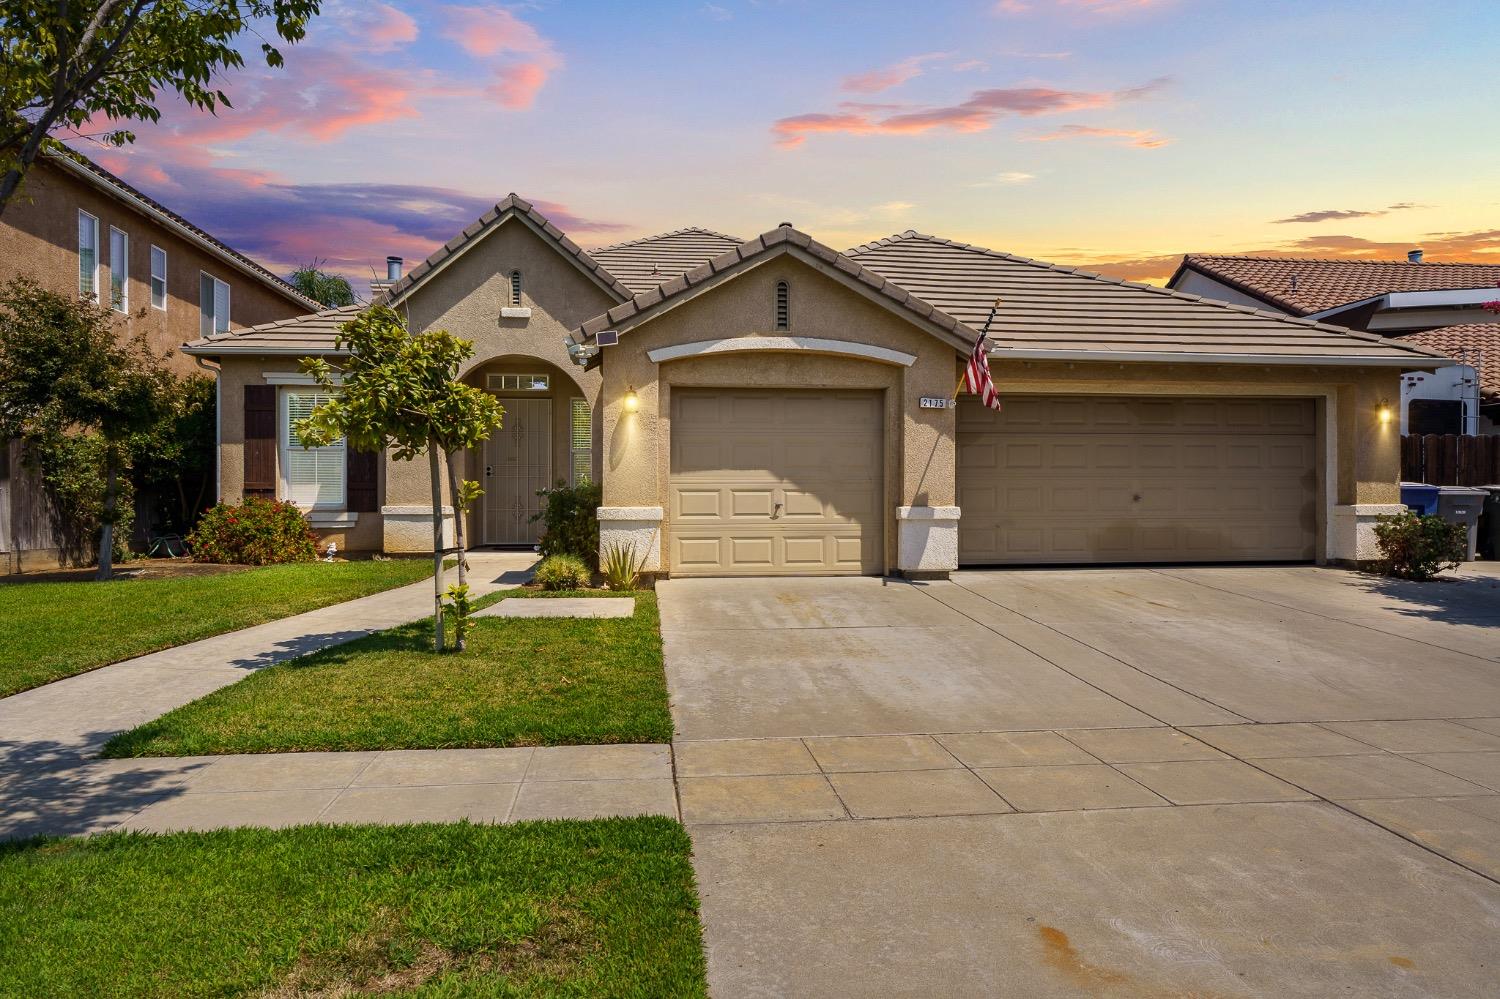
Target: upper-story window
x,y
213,305
158,278
119,270
783,305
515,288
88,255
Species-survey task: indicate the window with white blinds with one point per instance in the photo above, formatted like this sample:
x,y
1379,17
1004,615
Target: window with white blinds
x,y
581,441
119,270
213,305
88,255
310,477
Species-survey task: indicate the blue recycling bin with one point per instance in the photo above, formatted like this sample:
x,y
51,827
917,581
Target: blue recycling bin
x,y
1420,497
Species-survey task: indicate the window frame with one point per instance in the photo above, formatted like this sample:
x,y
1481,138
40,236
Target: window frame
x,y
152,279
285,442
92,275
119,274
213,316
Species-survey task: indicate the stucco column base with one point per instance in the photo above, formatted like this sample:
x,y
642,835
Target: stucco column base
x,y
633,527
1354,531
409,528
926,541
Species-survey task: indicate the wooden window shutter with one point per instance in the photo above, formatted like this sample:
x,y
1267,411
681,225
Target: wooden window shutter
x,y
260,441
362,481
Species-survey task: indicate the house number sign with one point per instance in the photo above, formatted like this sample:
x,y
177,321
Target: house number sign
x,y
933,402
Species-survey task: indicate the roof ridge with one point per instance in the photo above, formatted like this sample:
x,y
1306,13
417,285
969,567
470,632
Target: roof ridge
x,y
1338,260
1154,289
662,235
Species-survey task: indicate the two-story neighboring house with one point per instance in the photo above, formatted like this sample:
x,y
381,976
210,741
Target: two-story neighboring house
x,y
78,229
1435,305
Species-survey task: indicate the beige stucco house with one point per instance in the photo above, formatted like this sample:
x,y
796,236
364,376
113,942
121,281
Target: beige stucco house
x,y
774,406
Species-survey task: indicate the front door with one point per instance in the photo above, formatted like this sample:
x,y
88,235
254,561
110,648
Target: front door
x,y
517,466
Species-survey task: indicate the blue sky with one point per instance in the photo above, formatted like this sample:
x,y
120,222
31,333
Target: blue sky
x,y
1114,134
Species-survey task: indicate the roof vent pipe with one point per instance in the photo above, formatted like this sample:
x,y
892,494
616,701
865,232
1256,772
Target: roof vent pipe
x,y
393,268
1414,256
785,225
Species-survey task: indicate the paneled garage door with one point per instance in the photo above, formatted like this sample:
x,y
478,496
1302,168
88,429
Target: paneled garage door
x,y
774,482
1114,479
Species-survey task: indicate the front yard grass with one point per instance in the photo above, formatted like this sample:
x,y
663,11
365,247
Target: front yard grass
x,y
522,682
597,908
52,630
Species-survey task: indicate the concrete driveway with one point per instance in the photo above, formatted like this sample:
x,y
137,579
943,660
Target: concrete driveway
x,y
1217,781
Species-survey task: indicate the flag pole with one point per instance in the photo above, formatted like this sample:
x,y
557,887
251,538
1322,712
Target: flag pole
x,y
982,334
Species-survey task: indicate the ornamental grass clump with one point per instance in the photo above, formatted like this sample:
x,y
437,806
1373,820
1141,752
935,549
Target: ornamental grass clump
x,y
256,532
563,572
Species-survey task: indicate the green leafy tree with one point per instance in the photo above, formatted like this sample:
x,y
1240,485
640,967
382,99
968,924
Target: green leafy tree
x,y
176,457
400,391
69,62
328,290
65,374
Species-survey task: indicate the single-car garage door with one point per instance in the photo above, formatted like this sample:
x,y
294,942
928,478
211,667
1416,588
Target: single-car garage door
x,y
774,482
1115,479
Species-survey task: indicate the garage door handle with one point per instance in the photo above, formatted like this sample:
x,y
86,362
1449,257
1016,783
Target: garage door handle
x,y
776,512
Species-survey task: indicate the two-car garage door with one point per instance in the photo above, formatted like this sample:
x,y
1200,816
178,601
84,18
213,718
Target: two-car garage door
x,y
1060,479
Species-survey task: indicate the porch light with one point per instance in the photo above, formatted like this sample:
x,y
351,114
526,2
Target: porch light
x,y
1384,412
632,401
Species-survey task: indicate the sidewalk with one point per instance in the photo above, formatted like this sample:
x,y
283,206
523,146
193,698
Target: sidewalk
x,y
66,722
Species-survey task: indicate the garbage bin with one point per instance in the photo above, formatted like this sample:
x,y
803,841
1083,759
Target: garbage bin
x,y
1489,525
1420,497
1461,505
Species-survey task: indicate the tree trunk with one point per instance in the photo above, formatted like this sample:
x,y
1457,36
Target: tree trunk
x,y
437,541
107,535
458,534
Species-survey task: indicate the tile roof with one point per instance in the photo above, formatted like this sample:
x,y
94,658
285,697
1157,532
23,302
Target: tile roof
x,y
642,264
783,238
312,334
80,165
1048,307
1475,344
511,204
1324,284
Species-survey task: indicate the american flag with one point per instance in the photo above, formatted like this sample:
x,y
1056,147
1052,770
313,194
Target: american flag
x,y
977,374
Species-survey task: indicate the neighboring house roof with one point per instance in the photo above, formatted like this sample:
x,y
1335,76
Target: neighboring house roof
x,y
91,173
642,264
782,239
511,206
1475,344
1049,310
1325,284
314,334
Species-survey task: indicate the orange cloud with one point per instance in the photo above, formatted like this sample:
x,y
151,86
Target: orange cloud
x,y
978,113
887,77
1144,138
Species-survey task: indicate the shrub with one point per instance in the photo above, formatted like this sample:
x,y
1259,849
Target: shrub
x,y
571,519
620,567
1418,547
257,532
563,572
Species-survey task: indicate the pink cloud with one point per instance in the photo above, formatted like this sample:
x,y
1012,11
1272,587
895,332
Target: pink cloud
x,y
383,27
885,78
1143,138
488,31
517,85
978,113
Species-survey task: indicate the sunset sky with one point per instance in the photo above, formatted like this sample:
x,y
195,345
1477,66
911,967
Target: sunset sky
x,y
1112,134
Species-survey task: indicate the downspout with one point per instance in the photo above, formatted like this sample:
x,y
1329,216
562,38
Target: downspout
x,y
217,370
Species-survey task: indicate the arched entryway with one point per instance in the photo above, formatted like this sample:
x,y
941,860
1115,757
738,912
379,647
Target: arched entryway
x,y
546,437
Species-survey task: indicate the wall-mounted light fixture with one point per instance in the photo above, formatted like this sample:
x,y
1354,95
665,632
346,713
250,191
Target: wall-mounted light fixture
x,y
632,401
1384,412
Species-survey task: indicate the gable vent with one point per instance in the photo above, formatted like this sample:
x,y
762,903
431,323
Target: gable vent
x,y
515,287
783,306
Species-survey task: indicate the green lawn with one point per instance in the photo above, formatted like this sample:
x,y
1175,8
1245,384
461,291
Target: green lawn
x,y
52,630
522,682
599,908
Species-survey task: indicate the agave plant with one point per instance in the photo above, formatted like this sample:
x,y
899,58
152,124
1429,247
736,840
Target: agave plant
x,y
619,566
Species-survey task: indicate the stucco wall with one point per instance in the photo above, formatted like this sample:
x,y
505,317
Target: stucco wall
x,y
39,237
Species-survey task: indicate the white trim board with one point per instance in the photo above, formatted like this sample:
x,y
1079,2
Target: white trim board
x,y
817,345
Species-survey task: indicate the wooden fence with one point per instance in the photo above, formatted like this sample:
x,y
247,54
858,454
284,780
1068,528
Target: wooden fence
x,y
1451,459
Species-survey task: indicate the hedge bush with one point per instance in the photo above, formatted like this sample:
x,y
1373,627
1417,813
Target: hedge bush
x,y
563,572
257,532
1413,546
571,520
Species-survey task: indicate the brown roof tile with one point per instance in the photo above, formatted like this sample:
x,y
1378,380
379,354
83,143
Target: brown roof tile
x,y
313,334
1474,344
1325,284
646,263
